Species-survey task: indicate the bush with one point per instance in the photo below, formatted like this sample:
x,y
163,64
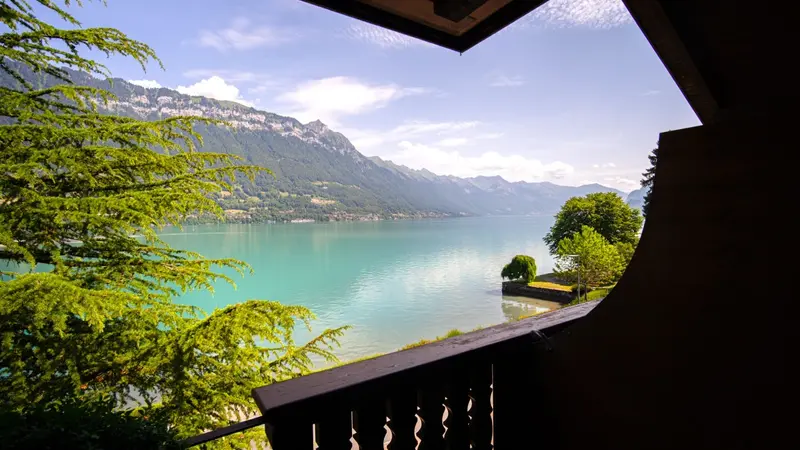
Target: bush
x,y
584,288
419,343
453,333
597,294
521,267
85,425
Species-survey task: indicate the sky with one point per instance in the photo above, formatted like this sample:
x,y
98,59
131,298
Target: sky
x,y
573,93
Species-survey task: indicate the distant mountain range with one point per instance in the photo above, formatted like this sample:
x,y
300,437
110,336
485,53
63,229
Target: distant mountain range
x,y
319,174
636,198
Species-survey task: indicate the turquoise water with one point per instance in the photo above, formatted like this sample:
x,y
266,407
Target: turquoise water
x,y
395,282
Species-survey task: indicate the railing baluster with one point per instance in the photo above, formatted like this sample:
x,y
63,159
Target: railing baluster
x,y
484,410
334,431
403,419
369,420
289,434
431,411
514,407
480,412
457,423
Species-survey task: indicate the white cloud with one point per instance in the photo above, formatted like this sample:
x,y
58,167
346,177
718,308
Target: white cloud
x,y
234,76
259,83
381,36
579,13
489,136
364,139
608,165
414,128
510,167
506,81
622,183
242,35
651,92
149,84
453,142
214,87
329,98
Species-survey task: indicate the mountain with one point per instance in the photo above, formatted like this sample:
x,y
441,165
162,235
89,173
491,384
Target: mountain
x,y
319,174
636,198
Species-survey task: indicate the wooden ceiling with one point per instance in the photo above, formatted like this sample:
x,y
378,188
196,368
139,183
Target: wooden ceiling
x,y
429,20
422,11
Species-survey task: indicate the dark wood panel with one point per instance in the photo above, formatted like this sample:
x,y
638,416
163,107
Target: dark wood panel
x,y
403,419
289,434
431,412
457,398
334,432
369,420
480,412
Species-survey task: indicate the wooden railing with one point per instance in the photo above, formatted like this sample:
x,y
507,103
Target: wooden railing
x,y
460,393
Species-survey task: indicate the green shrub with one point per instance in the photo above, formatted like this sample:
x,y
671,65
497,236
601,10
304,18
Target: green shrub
x,y
597,294
419,343
592,295
521,267
85,425
452,333
584,288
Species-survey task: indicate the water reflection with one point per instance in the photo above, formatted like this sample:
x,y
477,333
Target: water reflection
x,y
394,282
516,307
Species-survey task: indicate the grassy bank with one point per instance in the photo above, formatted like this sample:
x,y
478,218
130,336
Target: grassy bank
x,y
549,281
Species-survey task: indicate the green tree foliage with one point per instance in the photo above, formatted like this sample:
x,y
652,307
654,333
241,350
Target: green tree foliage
x,y
521,267
605,212
647,180
80,424
595,259
87,287
625,251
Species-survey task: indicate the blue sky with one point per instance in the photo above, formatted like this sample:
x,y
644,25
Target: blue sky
x,y
572,94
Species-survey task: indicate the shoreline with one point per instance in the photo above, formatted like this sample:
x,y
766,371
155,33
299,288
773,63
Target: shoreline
x,y
300,220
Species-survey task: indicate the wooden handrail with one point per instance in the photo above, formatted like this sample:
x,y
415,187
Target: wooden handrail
x,y
296,392
222,432
470,369
461,392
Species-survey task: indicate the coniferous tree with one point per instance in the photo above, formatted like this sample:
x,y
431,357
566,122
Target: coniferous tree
x,y
647,180
87,287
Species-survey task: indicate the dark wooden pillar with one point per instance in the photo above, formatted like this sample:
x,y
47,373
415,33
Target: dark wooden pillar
x,y
692,348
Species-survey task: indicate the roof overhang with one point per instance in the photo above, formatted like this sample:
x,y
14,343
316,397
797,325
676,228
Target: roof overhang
x,y
454,24
714,49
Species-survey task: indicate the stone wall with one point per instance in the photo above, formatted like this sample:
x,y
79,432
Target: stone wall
x,y
522,290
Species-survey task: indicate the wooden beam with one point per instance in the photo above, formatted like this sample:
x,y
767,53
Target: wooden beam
x,y
659,31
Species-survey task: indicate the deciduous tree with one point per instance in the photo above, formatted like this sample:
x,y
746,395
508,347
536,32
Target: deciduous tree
x,y
605,212
521,267
589,254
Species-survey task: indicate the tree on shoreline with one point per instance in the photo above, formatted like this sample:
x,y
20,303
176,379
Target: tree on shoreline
x,y
87,307
605,212
589,256
521,267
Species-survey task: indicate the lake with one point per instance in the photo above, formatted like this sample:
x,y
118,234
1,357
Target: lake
x,y
395,282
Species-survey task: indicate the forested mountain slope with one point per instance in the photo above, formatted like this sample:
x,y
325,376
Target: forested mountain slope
x,y
318,173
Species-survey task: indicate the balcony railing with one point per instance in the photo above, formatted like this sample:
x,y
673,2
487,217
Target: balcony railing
x,y
460,393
